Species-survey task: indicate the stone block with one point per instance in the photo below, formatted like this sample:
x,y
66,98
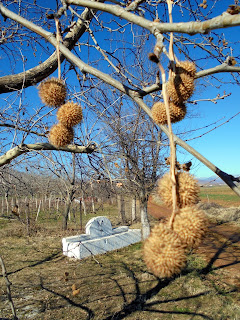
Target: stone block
x,y
100,238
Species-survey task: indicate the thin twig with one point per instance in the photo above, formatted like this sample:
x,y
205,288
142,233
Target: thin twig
x,y
171,138
8,285
58,38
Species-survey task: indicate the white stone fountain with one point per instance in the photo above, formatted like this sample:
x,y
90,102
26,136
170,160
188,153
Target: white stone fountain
x,y
100,237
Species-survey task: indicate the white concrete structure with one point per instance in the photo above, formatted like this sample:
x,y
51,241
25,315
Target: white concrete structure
x,y
100,237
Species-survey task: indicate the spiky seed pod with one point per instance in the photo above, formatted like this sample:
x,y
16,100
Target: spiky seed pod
x,y
187,67
187,187
70,114
191,224
180,88
163,252
52,92
177,113
60,135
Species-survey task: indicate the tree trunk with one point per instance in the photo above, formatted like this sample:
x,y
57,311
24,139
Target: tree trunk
x,y
92,200
81,218
134,210
67,209
66,213
7,204
144,216
121,208
84,204
27,213
93,206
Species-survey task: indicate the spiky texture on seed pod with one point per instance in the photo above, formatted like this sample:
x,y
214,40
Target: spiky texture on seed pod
x,y
191,224
70,114
163,251
187,67
52,92
180,88
187,187
177,113
60,135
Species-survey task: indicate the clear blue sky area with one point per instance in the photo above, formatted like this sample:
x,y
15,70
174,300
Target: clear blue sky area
x,y
221,145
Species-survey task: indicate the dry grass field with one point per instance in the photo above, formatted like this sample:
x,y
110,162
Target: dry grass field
x,y
116,285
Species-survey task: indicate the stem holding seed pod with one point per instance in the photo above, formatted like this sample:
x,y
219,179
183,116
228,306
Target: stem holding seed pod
x,y
172,148
58,38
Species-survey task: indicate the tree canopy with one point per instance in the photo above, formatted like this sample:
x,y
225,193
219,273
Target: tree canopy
x,y
104,52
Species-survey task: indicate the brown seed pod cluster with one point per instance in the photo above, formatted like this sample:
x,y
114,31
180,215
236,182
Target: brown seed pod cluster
x,y
187,186
186,67
164,252
190,224
70,114
177,113
166,248
60,135
181,86
52,92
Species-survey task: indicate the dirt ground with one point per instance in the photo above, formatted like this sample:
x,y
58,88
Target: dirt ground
x,y
220,248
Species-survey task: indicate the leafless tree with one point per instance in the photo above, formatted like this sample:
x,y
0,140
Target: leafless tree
x,y
112,64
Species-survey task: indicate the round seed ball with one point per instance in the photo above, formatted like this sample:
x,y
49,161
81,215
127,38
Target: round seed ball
x,y
191,224
70,114
187,67
163,252
180,88
187,186
177,113
52,92
60,135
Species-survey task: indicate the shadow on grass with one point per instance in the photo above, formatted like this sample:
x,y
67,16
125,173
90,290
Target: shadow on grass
x,y
90,313
140,302
231,240
47,259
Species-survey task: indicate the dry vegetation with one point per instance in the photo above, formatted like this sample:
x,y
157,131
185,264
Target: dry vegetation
x,y
116,285
221,195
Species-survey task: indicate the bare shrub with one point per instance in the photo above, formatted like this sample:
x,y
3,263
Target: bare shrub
x,y
221,214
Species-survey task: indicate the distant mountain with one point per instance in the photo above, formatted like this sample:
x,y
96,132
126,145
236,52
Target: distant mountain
x,y
213,180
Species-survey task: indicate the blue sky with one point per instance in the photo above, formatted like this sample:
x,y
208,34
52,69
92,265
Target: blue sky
x,y
220,146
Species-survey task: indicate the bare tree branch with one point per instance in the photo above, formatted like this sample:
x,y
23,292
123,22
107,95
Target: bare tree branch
x,y
223,175
34,75
25,148
8,125
224,67
134,94
223,21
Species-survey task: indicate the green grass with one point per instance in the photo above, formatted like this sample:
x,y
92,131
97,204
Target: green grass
x,y
222,195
